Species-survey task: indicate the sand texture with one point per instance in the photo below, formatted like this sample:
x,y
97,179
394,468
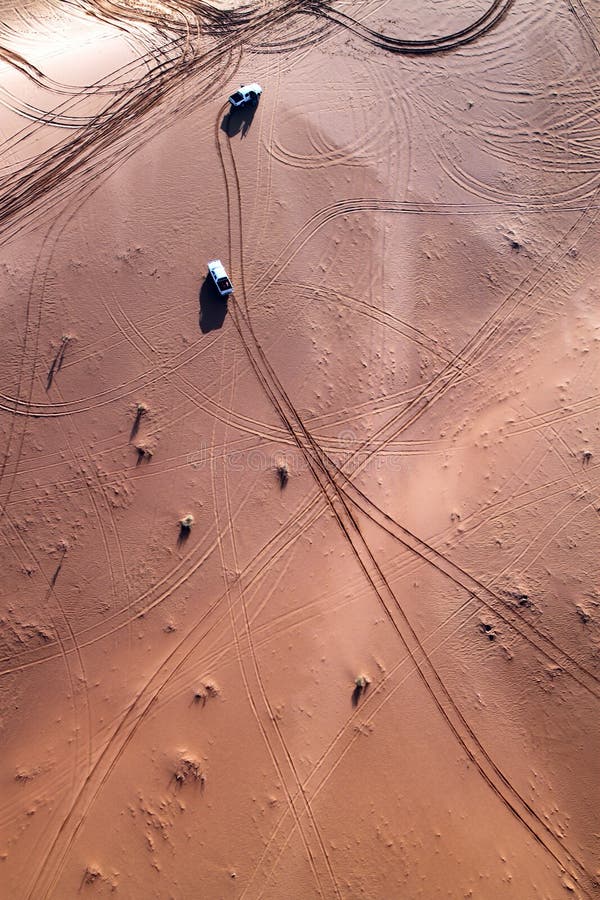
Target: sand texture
x,y
300,593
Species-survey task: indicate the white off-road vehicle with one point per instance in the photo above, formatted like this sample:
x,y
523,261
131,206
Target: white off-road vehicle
x,y
247,95
220,278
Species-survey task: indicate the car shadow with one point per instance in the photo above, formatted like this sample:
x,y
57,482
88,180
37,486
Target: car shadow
x,y
213,307
238,120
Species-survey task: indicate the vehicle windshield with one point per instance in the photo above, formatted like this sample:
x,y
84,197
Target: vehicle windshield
x,y
224,283
237,97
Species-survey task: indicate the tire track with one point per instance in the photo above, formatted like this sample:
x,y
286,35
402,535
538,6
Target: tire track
x,y
267,721
481,26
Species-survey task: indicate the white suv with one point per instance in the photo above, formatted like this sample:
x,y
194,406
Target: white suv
x,y
220,278
247,95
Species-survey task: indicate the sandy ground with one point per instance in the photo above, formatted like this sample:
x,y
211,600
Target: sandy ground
x,y
371,666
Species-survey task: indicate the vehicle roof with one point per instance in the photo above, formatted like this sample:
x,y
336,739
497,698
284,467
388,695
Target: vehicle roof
x,y
216,266
251,87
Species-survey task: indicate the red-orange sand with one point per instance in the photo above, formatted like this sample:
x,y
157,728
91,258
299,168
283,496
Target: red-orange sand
x,y
370,666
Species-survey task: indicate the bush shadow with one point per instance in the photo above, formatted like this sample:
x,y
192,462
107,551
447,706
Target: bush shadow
x,y
360,689
184,535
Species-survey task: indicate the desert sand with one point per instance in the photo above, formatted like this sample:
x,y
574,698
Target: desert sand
x,y
368,666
